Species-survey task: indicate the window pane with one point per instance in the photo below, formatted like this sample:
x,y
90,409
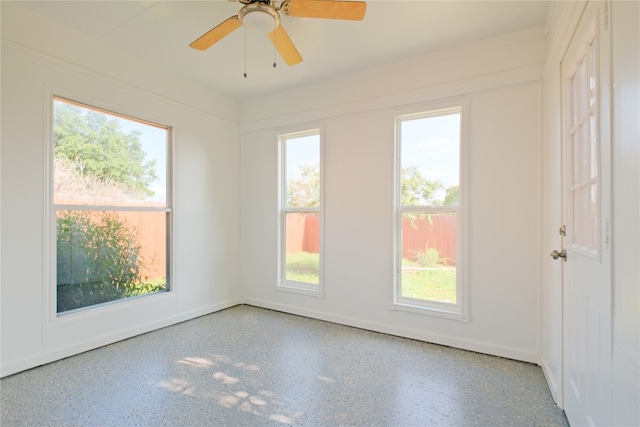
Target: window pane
x,y
595,217
593,68
104,256
586,217
429,256
582,140
575,161
585,153
302,174
302,247
576,206
430,160
593,148
581,85
105,159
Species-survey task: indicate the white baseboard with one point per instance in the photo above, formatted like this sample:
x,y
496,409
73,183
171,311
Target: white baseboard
x,y
51,355
552,382
450,341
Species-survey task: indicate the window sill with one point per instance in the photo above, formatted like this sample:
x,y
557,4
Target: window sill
x,y
98,310
300,288
453,313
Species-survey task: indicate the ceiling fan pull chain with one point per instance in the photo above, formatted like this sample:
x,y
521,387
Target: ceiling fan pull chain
x,y
275,41
245,53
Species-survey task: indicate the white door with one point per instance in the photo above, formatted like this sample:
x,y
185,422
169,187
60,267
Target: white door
x,y
587,338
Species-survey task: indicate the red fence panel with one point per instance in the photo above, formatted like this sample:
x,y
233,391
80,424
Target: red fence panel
x,y
151,231
434,231
303,233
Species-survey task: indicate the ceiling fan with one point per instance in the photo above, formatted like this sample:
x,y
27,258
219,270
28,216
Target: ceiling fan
x,y
264,16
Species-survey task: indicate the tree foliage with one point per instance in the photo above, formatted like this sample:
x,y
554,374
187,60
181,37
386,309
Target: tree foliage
x,y
452,196
95,145
416,189
305,190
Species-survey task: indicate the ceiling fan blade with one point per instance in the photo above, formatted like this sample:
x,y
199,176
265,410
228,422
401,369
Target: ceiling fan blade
x,y
285,46
209,38
330,9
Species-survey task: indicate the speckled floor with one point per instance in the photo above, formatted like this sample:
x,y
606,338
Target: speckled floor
x,y
246,366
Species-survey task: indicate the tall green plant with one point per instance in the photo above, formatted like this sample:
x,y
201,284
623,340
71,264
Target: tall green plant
x,y
430,258
98,260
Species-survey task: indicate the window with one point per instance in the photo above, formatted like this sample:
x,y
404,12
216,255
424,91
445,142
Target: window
x,y
300,212
428,212
110,205
582,153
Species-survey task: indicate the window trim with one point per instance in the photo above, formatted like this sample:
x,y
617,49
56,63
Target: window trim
x,y
460,310
281,283
52,317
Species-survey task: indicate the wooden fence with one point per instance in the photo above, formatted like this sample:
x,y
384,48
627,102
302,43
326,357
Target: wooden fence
x,y
151,231
303,233
435,231
418,234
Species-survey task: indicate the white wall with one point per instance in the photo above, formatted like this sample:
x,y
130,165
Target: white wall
x,y
625,21
39,57
514,200
501,79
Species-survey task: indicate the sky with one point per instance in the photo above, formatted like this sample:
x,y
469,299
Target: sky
x,y
301,150
432,144
154,143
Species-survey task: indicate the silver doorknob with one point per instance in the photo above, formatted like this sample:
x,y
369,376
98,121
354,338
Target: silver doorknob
x,y
555,254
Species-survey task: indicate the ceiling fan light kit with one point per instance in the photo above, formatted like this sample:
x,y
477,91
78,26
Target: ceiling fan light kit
x,y
259,18
262,16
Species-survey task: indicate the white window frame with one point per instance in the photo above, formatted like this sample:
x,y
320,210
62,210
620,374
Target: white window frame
x,y
574,123
50,252
460,309
283,284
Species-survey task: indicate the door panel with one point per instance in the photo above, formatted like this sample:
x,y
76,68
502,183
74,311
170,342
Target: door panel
x,y
586,212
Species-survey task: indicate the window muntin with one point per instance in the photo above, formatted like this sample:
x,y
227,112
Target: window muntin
x,y
111,205
428,211
582,131
300,211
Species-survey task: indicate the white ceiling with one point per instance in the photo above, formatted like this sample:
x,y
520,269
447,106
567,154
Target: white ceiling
x,y
160,32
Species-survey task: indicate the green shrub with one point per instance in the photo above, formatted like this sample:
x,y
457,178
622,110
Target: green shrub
x,y
430,258
98,260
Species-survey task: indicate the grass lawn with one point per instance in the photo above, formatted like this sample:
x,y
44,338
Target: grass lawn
x,y
303,267
435,284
